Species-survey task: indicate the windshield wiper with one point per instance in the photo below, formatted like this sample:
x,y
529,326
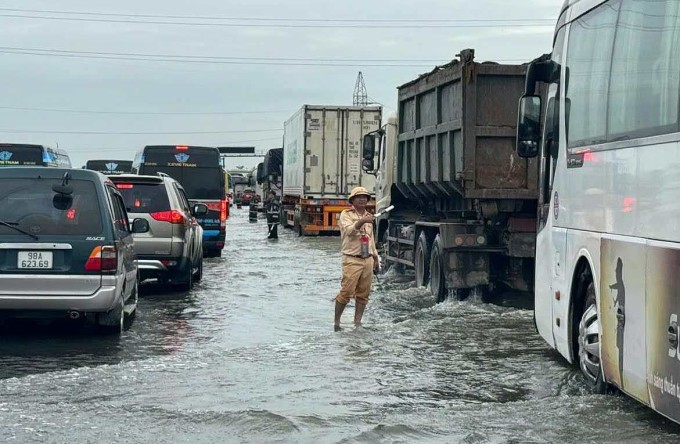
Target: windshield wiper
x,y
13,226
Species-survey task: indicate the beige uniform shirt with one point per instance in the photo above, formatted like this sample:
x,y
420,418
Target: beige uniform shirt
x,y
351,244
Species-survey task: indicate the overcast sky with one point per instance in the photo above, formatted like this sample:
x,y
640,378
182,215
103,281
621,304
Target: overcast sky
x,y
268,93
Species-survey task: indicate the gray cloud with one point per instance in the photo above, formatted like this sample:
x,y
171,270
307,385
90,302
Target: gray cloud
x,y
117,85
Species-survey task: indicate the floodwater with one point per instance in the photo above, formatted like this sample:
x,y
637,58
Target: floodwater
x,y
250,356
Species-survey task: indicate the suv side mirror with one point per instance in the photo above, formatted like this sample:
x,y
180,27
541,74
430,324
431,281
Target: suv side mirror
x,y
368,152
529,126
140,226
200,209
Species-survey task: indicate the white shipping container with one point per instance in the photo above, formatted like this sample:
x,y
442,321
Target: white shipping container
x,y
322,150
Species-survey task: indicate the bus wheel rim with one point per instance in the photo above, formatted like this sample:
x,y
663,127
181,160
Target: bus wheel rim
x,y
589,344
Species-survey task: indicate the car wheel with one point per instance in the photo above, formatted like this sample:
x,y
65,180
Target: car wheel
x,y
589,344
422,260
199,273
437,274
113,321
188,281
130,308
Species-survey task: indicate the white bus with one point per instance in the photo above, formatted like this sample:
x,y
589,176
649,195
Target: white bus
x,y
608,247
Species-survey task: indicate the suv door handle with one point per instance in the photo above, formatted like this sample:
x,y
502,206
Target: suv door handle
x,y
673,334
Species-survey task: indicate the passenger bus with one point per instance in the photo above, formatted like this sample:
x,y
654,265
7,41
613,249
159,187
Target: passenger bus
x,y
608,140
200,172
22,154
110,167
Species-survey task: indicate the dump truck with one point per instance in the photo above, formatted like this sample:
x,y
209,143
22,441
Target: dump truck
x,y
465,203
322,163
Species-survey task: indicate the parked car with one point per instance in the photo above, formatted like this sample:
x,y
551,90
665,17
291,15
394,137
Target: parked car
x,y
172,250
66,247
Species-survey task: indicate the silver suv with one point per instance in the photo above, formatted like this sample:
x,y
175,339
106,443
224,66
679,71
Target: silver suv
x,y
66,247
172,249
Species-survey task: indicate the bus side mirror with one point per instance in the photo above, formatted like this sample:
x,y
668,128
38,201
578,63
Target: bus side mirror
x,y
529,126
368,152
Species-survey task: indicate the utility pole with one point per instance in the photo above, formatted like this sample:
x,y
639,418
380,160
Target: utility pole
x,y
360,92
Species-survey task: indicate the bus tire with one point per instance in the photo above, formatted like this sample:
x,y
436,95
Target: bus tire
x,y
422,260
589,344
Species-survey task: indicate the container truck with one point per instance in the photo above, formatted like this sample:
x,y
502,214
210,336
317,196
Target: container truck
x,y
465,202
322,163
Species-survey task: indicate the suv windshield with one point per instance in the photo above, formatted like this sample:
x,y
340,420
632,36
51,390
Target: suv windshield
x,y
32,206
144,197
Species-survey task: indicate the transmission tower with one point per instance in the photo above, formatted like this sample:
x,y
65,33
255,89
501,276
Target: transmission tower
x,y
360,93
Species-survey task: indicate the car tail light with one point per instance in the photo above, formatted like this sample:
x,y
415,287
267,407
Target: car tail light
x,y
124,186
174,217
71,214
181,148
103,259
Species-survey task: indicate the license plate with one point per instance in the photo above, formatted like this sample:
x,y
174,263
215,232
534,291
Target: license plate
x,y
37,260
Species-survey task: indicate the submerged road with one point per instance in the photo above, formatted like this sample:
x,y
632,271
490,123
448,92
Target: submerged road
x,y
250,356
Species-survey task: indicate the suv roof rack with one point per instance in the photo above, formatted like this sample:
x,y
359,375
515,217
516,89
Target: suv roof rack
x,y
161,174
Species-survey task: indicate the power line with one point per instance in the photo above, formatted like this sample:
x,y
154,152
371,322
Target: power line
x,y
274,19
424,25
150,113
235,58
220,60
133,133
109,150
74,55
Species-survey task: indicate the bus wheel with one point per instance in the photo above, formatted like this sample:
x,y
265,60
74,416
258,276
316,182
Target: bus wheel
x,y
422,260
589,344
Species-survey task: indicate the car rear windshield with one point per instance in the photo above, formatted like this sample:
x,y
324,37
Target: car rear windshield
x,y
144,197
32,206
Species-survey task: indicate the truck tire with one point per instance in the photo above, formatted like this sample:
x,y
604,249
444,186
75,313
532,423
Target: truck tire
x,y
297,228
437,271
422,260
